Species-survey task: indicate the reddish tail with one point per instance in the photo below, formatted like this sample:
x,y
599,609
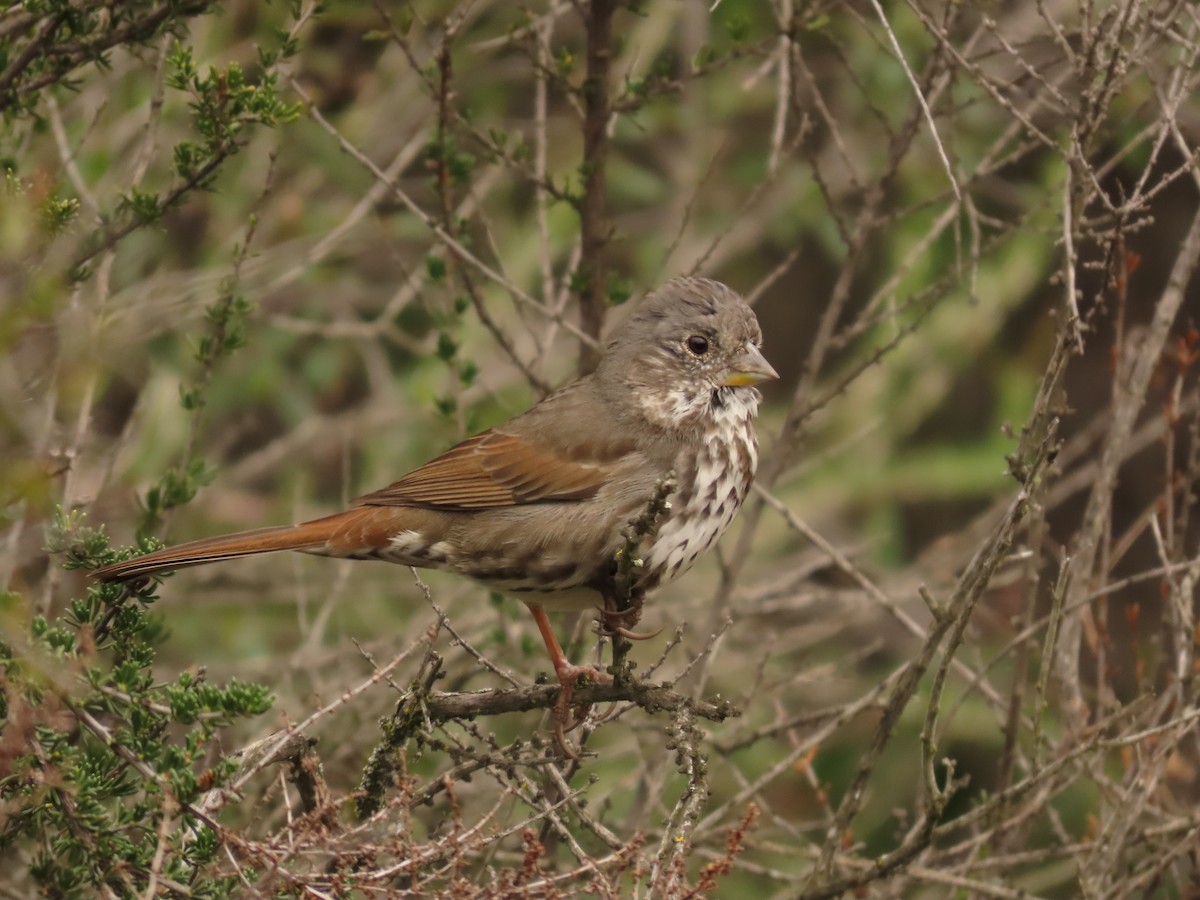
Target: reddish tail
x,y
327,535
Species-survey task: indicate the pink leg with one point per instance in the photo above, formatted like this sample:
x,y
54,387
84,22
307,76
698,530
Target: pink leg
x,y
567,675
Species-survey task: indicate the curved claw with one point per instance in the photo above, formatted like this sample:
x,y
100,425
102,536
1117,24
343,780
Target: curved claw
x,y
562,715
580,714
612,622
560,738
608,624
630,635
565,716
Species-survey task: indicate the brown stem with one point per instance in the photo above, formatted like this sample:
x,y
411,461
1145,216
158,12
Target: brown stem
x,y
594,229
654,698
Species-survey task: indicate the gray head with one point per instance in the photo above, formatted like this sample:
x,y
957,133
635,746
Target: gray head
x,y
689,347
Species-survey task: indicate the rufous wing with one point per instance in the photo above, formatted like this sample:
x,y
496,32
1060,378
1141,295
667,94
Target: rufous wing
x,y
492,469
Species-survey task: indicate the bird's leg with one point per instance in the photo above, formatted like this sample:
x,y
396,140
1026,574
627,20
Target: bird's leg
x,y
568,674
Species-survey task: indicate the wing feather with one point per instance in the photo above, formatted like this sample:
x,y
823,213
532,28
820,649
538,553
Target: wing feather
x,y
492,469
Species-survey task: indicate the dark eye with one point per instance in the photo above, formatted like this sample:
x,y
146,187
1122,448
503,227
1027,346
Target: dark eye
x,y
698,344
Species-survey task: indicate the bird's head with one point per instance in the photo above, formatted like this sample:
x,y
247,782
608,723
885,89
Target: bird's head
x,y
691,351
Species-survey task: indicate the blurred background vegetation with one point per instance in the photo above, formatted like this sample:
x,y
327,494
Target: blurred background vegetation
x,y
259,258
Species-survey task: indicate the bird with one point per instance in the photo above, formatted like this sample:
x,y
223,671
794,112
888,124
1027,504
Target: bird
x,y
536,508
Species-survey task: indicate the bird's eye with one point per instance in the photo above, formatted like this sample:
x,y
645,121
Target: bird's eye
x,y
698,344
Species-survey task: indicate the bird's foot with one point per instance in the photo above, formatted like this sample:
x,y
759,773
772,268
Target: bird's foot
x,y
567,715
633,635
613,621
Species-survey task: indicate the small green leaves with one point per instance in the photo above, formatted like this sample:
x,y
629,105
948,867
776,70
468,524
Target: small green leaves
x,y
565,61
144,205
458,163
705,56
188,155
192,699
737,26
226,333
66,535
181,67
446,346
227,319
579,281
446,406
467,373
176,487
57,214
105,750
224,103
618,289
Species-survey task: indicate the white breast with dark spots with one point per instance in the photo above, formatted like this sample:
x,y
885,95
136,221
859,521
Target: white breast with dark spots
x,y
702,509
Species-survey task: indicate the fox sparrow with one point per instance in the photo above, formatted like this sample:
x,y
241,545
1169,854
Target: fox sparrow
x,y
535,508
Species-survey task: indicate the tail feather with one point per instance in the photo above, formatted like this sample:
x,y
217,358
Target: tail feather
x,y
308,536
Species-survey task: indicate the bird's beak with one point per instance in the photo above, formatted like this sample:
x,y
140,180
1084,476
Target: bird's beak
x,y
750,367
